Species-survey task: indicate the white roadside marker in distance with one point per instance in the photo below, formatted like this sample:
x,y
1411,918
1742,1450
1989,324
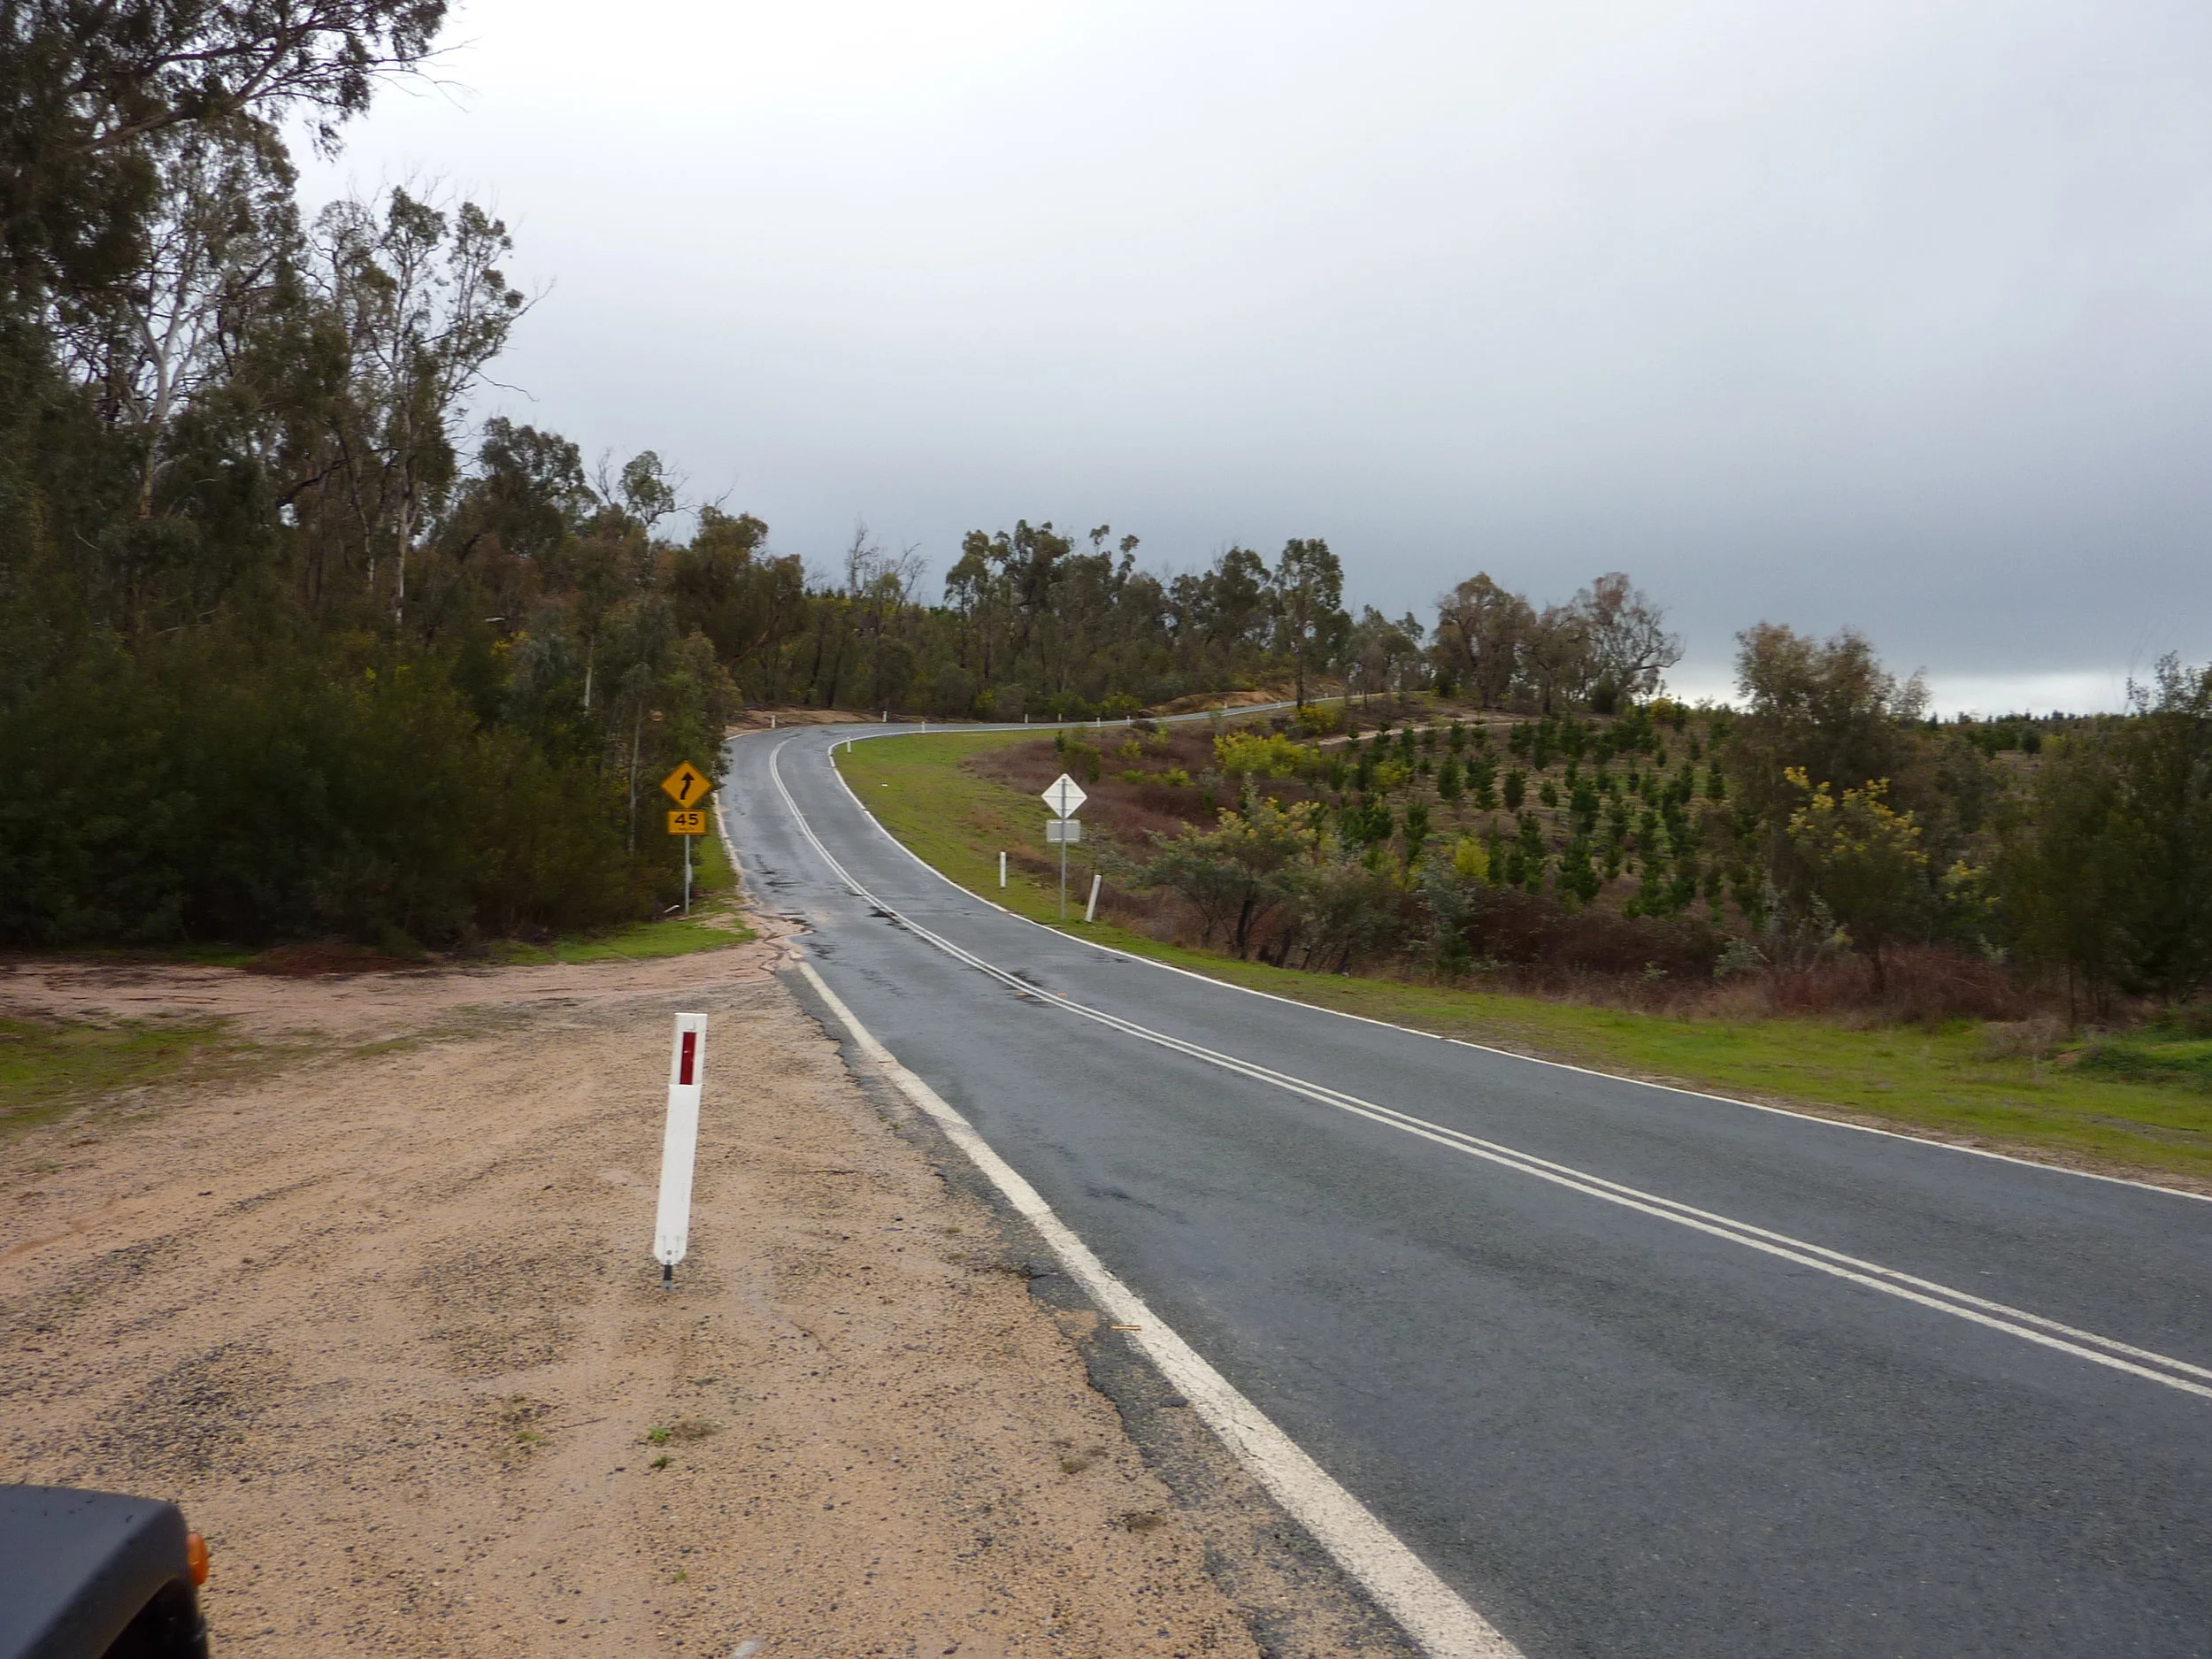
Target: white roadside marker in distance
x,y
1995,1315
1845,1124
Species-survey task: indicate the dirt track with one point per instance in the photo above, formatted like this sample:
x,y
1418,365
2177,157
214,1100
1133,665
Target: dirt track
x,y
387,1325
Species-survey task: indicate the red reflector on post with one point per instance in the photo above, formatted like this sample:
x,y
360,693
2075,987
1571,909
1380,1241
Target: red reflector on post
x,y
691,1052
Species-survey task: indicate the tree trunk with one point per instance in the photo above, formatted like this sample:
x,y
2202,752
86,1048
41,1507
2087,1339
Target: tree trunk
x,y
637,736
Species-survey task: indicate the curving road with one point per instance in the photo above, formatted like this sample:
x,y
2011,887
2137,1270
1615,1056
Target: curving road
x,y
1636,1372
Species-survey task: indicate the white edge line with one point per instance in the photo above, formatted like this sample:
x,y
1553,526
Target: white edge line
x,y
1427,1608
1483,1048
1891,1281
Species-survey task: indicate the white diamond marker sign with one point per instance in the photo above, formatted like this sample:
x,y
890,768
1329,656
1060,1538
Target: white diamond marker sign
x,y
1064,795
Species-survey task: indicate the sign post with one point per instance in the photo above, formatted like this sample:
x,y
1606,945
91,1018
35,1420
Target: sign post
x,y
687,787
1064,795
679,1144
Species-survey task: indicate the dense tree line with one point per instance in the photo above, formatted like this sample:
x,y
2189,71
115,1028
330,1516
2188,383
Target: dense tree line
x,y
255,678
1031,622
288,645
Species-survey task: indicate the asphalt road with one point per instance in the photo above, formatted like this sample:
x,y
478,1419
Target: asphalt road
x,y
1636,1372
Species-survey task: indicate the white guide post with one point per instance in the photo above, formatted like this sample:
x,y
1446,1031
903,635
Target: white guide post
x,y
679,1143
1064,797
1090,911
1001,869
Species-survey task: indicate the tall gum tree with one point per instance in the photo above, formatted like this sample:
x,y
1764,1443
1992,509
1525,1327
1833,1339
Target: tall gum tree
x,y
1311,624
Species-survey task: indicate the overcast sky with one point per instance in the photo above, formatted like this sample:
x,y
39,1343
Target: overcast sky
x,y
1893,314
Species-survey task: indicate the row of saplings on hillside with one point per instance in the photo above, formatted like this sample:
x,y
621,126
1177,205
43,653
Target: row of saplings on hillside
x,y
1959,869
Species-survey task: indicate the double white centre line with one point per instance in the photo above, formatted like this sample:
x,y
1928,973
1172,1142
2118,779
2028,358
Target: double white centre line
x,y
1996,1315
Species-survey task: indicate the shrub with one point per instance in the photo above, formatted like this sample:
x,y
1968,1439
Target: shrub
x,y
1863,859
1233,875
1738,956
1342,909
1249,755
1577,876
1471,860
257,790
1417,828
1552,942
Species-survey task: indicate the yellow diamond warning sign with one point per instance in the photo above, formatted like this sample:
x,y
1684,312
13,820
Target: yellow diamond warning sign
x,y
686,785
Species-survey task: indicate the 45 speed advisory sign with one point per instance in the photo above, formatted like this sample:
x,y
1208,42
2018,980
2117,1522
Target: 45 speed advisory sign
x,y
688,786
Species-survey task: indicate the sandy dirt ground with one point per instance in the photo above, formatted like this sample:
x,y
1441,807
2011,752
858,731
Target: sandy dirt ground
x,y
384,1321
773,719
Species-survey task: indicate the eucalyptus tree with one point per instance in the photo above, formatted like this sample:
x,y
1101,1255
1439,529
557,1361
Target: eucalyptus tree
x,y
1481,630
1307,594
1629,649
416,296
1381,650
87,86
220,241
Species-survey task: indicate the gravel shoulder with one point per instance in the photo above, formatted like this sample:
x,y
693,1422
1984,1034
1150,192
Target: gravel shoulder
x,y
386,1325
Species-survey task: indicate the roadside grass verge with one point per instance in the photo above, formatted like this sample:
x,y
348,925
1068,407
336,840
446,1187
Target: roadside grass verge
x,y
713,924
2128,1107
957,822
205,955
641,941
47,1067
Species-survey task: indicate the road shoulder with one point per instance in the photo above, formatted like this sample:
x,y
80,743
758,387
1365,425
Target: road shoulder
x,y
386,1325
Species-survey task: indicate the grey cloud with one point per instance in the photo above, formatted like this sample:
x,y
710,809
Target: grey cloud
x,y
1895,317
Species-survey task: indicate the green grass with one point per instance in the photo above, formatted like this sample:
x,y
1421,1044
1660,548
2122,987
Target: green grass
x,y
956,821
46,1067
2121,1105
2153,1057
209,955
639,941
712,874
713,894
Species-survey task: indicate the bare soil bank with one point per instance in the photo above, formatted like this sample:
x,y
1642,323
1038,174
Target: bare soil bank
x,y
386,1325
